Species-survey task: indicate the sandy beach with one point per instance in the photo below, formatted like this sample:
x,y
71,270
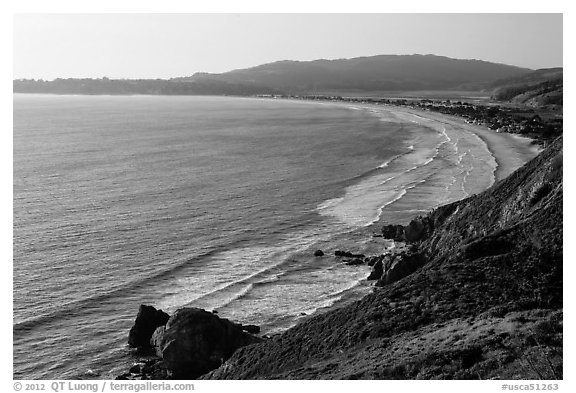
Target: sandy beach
x,y
510,151
503,153
468,159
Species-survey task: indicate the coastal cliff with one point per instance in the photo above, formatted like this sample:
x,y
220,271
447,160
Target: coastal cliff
x,y
484,301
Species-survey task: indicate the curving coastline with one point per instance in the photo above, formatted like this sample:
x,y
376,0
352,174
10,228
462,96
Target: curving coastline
x,y
483,302
502,163
510,151
247,362
490,157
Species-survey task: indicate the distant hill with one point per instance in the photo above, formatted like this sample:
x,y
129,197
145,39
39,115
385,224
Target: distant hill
x,y
361,74
539,88
385,72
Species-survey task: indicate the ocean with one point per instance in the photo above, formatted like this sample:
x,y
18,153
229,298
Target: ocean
x,y
211,202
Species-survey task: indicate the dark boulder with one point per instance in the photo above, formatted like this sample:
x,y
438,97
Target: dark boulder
x,y
252,329
401,266
156,338
148,369
196,341
388,260
147,320
135,369
418,229
318,253
156,369
371,261
377,271
348,254
394,232
354,262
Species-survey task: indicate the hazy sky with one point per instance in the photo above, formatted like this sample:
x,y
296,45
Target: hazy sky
x,y
169,45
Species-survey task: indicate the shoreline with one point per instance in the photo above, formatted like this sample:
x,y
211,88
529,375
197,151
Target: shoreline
x,y
498,145
440,322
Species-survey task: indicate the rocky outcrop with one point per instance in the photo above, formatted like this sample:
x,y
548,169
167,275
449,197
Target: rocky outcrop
x,y
252,329
157,336
392,267
377,270
486,301
195,341
147,369
348,254
418,229
355,262
393,232
147,321
399,266
371,261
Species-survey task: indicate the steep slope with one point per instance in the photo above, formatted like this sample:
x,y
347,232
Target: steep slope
x,y
486,304
385,72
537,89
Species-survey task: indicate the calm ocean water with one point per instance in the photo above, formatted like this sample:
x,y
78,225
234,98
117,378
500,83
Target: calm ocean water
x,y
203,201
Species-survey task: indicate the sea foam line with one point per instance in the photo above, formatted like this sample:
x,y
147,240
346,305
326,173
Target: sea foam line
x,y
329,207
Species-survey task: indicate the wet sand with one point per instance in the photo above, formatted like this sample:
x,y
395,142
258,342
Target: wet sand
x,y
510,151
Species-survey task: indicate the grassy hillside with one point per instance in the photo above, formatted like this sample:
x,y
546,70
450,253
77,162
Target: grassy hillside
x,y
385,72
537,89
486,304
358,75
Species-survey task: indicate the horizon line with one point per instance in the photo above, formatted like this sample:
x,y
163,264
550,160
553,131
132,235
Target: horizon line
x,y
167,78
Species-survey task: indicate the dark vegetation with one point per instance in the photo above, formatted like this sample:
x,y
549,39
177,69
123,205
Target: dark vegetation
x,y
540,123
376,73
477,292
89,86
541,88
534,97
485,303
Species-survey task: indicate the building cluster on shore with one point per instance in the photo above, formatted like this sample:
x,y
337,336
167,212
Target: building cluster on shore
x,y
540,124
